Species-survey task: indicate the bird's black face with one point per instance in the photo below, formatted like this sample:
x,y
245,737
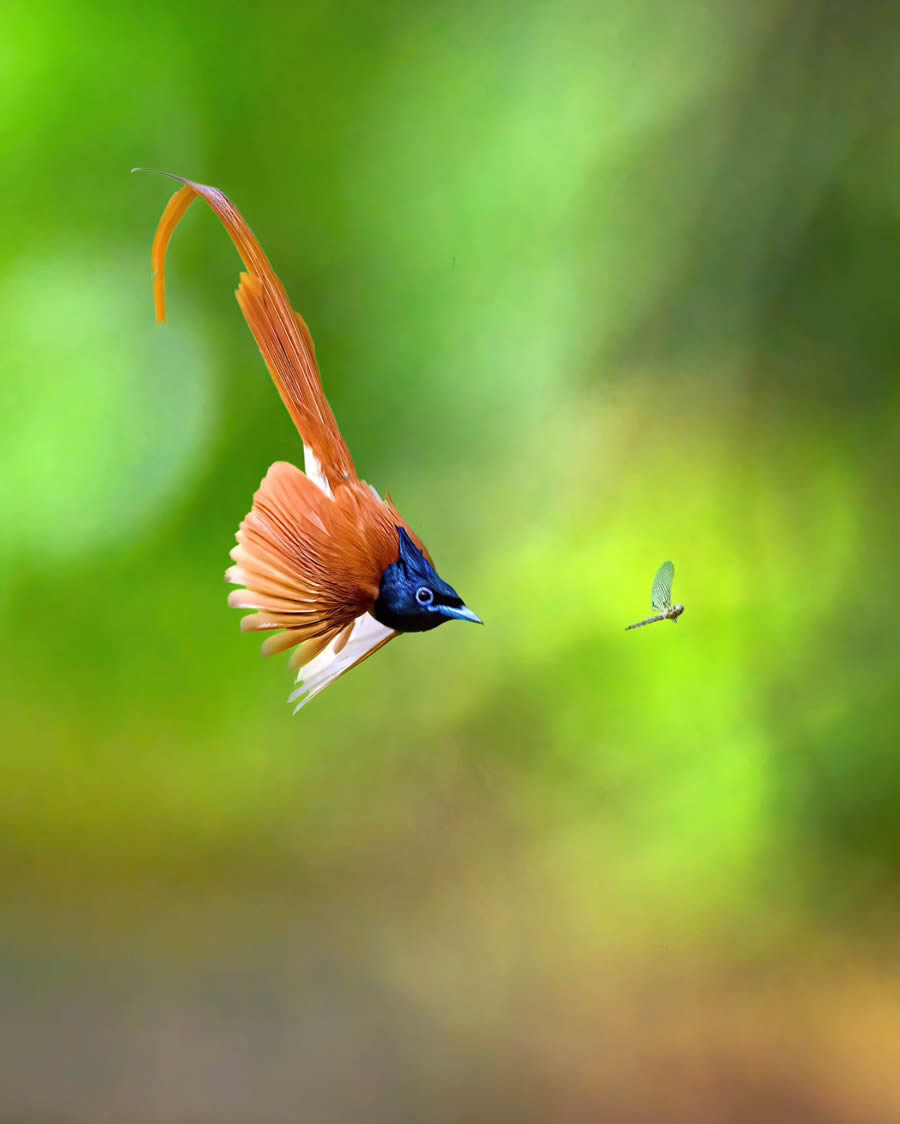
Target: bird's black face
x,y
412,597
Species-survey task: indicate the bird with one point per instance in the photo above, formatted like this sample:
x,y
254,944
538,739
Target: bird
x,y
662,598
329,569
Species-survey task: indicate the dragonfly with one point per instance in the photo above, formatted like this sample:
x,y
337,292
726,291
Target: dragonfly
x,y
662,598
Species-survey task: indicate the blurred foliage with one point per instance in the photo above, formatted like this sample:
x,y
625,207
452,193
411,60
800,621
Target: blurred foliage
x,y
592,285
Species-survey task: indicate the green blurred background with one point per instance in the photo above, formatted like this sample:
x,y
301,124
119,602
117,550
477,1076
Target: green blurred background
x,y
592,285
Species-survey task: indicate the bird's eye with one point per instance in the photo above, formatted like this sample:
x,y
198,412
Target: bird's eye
x,y
424,595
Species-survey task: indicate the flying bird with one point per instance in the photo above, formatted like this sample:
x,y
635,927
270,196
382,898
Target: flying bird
x,y
662,598
329,568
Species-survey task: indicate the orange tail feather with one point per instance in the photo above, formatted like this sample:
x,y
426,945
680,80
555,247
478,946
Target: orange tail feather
x,y
281,334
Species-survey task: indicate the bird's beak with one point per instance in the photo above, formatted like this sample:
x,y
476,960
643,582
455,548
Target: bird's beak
x,y
463,613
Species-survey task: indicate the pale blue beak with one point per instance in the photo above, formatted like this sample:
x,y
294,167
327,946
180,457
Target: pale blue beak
x,y
463,613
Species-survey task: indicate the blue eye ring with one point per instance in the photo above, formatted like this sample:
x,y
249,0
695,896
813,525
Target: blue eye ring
x,y
424,595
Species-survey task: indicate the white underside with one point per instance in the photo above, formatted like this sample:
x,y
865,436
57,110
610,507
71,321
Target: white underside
x,y
316,675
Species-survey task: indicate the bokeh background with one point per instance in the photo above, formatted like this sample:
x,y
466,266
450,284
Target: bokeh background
x,y
593,285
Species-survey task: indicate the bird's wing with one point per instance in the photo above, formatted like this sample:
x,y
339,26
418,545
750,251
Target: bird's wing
x,y
310,567
281,333
309,563
662,586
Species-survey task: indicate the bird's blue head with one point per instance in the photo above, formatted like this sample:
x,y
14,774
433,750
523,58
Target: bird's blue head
x,y
412,597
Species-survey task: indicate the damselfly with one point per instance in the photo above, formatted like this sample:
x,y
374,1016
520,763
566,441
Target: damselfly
x,y
662,598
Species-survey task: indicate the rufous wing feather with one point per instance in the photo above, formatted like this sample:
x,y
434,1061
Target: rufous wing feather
x,y
309,565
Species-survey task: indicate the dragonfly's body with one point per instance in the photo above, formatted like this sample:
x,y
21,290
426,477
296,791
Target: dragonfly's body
x,y
662,598
671,614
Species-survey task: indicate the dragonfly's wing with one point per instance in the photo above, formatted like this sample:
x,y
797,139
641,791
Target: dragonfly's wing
x,y
662,587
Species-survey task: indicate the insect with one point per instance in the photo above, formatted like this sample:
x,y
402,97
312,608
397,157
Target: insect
x,y
662,598
329,568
